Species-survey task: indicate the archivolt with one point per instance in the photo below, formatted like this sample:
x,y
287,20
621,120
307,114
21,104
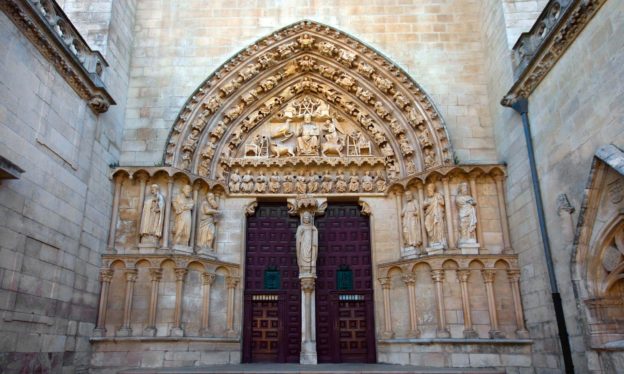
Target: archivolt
x,y
308,57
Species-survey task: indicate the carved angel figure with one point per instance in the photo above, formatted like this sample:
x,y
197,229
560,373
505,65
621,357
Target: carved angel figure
x,y
152,217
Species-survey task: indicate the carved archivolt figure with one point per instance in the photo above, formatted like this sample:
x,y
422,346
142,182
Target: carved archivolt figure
x,y
207,230
247,184
261,183
367,182
406,148
328,183
307,245
235,180
182,207
274,182
354,183
434,217
430,160
153,216
467,214
411,222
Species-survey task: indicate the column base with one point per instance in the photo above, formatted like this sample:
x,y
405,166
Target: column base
x,y
204,332
176,331
149,331
413,334
387,335
308,353
99,332
470,334
495,334
231,333
124,331
443,333
522,334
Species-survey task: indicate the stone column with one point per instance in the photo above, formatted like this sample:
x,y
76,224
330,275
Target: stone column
x,y
142,182
207,279
488,277
106,275
438,278
131,276
231,282
156,276
475,194
168,201
194,217
423,230
449,214
399,208
115,213
386,283
502,211
410,282
308,321
462,276
177,329
514,280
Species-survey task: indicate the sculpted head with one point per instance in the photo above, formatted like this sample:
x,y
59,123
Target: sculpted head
x,y
154,189
408,195
186,190
431,188
307,217
464,189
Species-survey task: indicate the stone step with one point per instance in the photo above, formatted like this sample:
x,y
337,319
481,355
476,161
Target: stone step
x,y
313,369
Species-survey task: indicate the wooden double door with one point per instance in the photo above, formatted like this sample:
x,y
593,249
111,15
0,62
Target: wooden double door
x,y
344,296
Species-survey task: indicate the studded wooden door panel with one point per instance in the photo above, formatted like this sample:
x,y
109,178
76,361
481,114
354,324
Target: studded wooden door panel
x,y
270,248
265,331
344,319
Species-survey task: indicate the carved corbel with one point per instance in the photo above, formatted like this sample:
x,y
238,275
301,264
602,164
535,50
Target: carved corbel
x,y
366,209
250,209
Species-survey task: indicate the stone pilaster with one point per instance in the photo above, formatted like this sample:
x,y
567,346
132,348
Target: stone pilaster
x,y
131,276
156,276
106,275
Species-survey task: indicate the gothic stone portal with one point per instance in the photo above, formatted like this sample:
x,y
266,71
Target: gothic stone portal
x,y
345,329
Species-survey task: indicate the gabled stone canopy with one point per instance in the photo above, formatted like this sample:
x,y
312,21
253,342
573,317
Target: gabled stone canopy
x,y
312,59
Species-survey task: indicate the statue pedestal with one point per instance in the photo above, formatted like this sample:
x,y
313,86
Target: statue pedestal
x,y
468,247
183,249
435,248
308,320
148,248
206,252
410,252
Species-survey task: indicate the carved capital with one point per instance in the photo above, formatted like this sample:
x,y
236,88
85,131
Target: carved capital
x,y
231,281
463,275
307,203
155,274
208,278
409,279
131,275
307,284
106,275
513,275
180,273
386,282
488,275
437,275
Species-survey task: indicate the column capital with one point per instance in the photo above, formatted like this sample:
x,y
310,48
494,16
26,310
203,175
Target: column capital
x,y
208,278
488,275
386,282
437,275
513,275
231,281
131,275
409,279
463,275
307,284
180,273
106,275
155,274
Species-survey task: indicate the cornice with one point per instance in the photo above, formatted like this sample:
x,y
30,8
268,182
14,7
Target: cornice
x,y
47,27
536,52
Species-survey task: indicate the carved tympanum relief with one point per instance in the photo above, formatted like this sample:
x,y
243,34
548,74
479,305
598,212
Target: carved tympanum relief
x,y
308,94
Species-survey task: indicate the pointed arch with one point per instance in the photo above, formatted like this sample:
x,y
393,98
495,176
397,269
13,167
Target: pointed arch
x,y
309,58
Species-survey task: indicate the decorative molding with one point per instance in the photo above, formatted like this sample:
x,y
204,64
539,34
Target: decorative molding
x,y
9,170
45,24
537,51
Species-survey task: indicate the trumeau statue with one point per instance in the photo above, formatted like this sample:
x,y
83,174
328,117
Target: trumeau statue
x,y
434,217
307,245
182,207
467,214
411,222
152,218
207,230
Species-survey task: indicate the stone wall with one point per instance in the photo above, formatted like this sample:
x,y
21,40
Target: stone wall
x,y
572,112
55,217
178,45
520,15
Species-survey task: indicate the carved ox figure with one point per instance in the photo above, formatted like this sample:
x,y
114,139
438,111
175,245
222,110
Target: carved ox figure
x,y
278,150
331,148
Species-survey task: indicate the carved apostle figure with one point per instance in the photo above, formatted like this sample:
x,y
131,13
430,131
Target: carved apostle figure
x,y
367,182
301,186
341,184
434,217
153,216
467,214
307,245
328,183
411,222
380,182
287,187
261,183
182,207
313,183
274,182
247,184
354,183
235,180
207,230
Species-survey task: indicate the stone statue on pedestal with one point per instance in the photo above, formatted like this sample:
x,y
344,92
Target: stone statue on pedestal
x,y
152,218
307,245
182,207
411,222
467,216
207,230
434,218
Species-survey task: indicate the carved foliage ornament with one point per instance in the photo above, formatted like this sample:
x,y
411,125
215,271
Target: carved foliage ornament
x,y
347,76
